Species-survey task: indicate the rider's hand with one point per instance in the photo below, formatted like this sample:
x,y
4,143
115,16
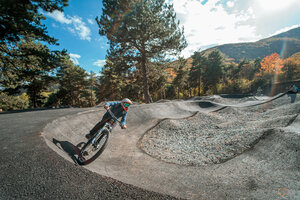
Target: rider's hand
x,y
106,107
124,127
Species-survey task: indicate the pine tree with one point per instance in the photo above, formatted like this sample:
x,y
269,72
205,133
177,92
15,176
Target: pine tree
x,y
141,31
180,81
111,83
23,58
199,65
22,18
92,84
73,84
213,72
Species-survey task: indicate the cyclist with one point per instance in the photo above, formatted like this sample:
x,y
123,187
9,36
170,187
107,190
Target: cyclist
x,y
119,109
293,89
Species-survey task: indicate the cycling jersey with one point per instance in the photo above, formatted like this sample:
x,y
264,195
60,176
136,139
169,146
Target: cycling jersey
x,y
117,109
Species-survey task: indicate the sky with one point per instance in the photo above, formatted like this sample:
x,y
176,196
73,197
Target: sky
x,y
206,23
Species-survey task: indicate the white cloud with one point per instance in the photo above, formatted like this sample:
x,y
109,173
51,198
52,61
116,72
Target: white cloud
x,y
90,21
75,24
81,29
74,58
58,16
230,4
100,63
274,5
220,22
274,15
211,23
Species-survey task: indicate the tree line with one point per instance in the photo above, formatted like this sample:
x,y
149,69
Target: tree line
x,y
143,37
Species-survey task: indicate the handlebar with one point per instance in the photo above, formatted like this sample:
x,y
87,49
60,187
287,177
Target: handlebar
x,y
114,117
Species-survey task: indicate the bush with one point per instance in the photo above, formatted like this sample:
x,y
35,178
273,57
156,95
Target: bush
x,y
13,102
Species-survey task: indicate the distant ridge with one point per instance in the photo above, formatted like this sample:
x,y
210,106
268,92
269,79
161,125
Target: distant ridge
x,y
285,44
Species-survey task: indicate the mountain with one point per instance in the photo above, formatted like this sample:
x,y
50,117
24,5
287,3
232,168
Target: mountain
x,y
285,44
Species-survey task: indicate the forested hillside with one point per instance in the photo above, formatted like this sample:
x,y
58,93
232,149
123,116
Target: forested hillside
x,y
285,44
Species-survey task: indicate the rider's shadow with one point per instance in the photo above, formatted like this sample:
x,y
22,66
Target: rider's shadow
x,y
68,147
292,96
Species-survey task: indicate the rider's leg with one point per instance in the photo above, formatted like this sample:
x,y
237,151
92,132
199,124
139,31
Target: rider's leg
x,y
97,127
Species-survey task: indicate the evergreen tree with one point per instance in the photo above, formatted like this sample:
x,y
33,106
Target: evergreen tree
x,y
73,84
92,84
213,72
111,83
157,80
21,18
199,65
25,61
180,81
23,58
141,32
35,89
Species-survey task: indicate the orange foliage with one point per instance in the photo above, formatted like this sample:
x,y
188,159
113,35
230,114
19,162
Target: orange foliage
x,y
272,64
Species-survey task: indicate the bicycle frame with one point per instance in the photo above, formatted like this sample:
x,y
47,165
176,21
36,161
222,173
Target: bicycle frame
x,y
108,126
98,142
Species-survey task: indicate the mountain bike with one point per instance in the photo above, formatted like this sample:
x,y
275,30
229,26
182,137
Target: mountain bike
x,y
93,148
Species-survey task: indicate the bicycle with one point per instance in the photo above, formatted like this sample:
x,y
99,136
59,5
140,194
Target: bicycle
x,y
93,148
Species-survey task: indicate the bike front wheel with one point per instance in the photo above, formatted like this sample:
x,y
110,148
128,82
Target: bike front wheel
x,y
93,148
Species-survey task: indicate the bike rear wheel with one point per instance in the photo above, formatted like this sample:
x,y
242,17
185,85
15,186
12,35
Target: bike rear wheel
x,y
90,151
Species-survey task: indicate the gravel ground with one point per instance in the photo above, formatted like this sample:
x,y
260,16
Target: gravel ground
x,y
219,99
206,139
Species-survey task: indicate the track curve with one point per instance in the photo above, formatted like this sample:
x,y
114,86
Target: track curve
x,y
31,170
250,175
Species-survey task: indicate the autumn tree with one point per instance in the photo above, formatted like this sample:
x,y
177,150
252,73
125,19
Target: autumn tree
x,y
272,65
8,102
291,67
143,31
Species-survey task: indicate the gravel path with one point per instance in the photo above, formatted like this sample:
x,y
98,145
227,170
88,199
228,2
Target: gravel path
x,y
210,138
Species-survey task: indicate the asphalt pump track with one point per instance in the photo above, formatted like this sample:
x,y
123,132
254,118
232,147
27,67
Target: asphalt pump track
x,y
258,173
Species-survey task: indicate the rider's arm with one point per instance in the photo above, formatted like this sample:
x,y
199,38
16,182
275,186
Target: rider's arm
x,y
109,104
123,120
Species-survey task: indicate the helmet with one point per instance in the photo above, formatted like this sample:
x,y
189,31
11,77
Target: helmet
x,y
126,103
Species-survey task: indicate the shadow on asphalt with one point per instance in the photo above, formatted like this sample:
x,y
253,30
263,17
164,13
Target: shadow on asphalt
x,y
68,147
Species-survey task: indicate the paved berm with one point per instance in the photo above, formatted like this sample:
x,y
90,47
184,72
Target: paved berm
x,y
127,169
29,169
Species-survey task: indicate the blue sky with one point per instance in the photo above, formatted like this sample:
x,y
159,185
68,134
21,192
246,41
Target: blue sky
x,y
77,31
206,23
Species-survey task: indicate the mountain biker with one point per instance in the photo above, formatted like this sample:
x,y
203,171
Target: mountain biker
x,y
293,89
119,109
